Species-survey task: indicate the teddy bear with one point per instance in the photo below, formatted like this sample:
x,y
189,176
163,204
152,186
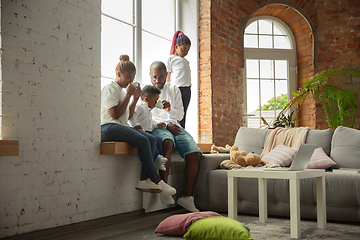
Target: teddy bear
x,y
243,159
216,149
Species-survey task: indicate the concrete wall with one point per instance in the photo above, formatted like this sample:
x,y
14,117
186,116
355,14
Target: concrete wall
x,y
51,103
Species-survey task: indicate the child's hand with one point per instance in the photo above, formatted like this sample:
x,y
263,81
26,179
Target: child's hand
x,y
166,105
138,127
130,89
161,125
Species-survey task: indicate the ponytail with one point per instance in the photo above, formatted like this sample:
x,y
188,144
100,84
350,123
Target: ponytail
x,y
179,39
125,65
172,50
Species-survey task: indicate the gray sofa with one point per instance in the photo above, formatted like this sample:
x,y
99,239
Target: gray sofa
x,y
342,187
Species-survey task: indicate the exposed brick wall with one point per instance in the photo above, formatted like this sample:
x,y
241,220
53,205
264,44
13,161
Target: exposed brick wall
x,y
205,86
219,69
333,41
338,45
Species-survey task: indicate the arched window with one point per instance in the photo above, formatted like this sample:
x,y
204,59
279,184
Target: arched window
x,y
270,68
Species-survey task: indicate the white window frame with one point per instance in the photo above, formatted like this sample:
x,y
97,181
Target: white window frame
x,y
273,54
185,19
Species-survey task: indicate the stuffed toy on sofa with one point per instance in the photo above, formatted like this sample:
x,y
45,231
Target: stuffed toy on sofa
x,y
218,149
243,159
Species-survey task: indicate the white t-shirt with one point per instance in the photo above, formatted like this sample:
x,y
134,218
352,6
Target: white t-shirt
x,y
111,96
142,116
180,71
172,94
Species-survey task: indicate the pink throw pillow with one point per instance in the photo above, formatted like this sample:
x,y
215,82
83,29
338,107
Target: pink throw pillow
x,y
177,225
320,160
281,155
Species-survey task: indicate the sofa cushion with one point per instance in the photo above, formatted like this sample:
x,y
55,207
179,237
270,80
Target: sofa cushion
x,y
320,137
320,160
281,155
251,139
345,147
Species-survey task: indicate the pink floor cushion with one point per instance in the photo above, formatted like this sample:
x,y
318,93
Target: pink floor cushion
x,y
178,224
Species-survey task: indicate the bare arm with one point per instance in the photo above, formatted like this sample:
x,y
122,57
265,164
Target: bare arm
x,y
136,95
133,105
119,110
168,79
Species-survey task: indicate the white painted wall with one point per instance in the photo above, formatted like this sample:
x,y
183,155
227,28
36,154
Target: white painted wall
x,y
51,103
189,25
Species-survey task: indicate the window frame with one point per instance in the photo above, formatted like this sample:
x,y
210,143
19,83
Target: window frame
x,y
137,35
268,54
186,15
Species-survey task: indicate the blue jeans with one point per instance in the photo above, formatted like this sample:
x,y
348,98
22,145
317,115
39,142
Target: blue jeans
x,y
143,141
159,149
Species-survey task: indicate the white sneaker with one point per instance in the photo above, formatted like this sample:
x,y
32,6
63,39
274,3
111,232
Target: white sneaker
x,y
167,190
187,203
159,162
167,200
148,186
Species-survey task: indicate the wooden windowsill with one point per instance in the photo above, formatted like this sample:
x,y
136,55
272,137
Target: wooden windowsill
x,y
111,148
9,148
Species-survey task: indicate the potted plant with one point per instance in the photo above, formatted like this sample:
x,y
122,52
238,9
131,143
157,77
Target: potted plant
x,y
339,104
281,121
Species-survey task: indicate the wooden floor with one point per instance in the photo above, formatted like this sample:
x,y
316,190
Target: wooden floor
x,y
143,226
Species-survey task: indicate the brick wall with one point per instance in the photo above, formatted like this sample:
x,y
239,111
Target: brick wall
x,y
220,112
327,35
205,86
338,45
51,103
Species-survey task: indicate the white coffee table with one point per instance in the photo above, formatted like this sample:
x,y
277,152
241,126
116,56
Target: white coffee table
x,y
294,177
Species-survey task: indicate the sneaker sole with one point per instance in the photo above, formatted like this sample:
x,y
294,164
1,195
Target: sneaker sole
x,y
148,190
168,203
190,210
168,194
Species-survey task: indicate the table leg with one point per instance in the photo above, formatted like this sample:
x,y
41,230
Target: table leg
x,y
232,197
321,202
262,199
294,208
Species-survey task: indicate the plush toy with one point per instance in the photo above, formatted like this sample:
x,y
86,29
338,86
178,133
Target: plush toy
x,y
215,149
252,159
237,156
243,159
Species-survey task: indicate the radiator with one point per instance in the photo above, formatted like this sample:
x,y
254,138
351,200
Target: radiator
x,y
151,201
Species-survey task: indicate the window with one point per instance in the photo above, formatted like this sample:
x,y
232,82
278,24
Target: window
x,y
144,30
133,27
117,35
270,69
266,33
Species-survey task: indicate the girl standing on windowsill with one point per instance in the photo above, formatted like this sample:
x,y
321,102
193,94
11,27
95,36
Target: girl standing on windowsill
x,y
179,70
115,112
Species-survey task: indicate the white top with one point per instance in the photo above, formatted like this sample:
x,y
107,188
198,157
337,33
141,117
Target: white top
x,y
111,96
180,71
142,116
172,94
